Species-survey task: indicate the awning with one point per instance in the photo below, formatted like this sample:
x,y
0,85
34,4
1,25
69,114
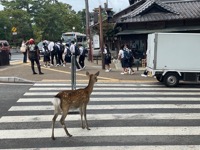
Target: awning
x,y
175,29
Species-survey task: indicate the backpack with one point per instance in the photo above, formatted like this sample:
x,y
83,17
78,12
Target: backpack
x,y
108,56
55,48
127,55
85,52
77,51
46,51
68,56
32,51
62,48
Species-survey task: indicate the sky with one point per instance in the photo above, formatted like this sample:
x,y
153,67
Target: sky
x,y
77,5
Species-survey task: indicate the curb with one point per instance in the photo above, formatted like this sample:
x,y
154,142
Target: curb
x,y
15,80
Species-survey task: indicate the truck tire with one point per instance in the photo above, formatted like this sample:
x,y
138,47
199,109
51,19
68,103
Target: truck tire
x,y
171,79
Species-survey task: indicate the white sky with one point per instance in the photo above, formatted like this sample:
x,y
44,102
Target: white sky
x,y
77,5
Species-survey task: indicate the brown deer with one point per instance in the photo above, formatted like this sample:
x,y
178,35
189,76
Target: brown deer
x,y
73,99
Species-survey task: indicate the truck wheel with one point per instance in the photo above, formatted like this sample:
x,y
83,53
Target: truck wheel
x,y
171,79
159,78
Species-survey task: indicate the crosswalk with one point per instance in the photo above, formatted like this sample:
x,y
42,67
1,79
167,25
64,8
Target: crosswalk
x,y
121,116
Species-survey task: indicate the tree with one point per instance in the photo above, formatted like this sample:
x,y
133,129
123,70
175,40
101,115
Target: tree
x,y
48,19
19,19
54,19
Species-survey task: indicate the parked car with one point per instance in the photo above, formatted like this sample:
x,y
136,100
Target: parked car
x,y
4,46
40,46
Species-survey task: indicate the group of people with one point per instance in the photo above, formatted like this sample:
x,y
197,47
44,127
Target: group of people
x,y
62,54
56,51
126,57
55,54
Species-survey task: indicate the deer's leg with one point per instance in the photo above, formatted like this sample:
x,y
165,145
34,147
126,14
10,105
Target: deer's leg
x,y
62,121
53,124
81,113
84,112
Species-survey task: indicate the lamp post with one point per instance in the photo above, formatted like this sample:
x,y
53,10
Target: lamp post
x,y
5,28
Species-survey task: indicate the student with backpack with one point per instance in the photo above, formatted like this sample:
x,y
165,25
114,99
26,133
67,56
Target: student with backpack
x,y
107,59
122,59
82,56
46,55
75,51
53,52
128,59
67,54
60,52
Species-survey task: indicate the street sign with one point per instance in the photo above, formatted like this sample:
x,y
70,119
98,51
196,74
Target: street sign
x,y
96,41
14,33
14,29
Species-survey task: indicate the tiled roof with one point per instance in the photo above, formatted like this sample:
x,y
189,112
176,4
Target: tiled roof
x,y
169,11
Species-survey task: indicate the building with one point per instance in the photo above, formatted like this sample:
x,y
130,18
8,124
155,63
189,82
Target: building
x,y
133,24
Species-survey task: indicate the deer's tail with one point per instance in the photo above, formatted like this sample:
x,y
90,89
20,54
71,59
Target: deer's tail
x,y
56,103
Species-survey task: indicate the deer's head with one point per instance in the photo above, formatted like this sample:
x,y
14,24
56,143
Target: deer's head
x,y
93,77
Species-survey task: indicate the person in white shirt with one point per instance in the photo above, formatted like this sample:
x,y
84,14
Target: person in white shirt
x,y
121,58
107,59
82,56
73,51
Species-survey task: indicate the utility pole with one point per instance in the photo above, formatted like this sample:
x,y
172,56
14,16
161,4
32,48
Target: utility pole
x,y
88,30
101,37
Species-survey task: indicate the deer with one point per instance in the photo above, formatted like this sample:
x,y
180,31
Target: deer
x,y
73,99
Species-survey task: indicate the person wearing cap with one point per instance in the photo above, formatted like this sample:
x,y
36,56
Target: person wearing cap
x,y
33,52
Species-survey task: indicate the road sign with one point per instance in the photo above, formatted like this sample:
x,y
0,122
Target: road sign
x,y
14,33
14,29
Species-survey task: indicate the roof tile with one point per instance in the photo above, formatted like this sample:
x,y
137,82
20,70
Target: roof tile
x,y
173,11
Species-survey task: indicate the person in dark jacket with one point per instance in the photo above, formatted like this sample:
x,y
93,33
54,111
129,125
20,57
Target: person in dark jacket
x,y
33,52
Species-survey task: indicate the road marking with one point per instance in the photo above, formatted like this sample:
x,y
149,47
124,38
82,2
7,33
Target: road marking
x,y
97,88
126,116
135,147
113,107
100,131
98,84
154,99
78,74
119,93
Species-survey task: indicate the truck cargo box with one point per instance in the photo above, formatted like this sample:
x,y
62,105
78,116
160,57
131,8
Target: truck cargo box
x,y
173,52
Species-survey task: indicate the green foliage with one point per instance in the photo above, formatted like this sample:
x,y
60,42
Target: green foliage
x,y
39,19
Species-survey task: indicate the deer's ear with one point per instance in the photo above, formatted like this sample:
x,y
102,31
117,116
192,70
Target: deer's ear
x,y
87,73
97,74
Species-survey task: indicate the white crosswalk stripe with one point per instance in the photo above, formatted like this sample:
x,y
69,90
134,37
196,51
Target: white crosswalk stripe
x,y
121,116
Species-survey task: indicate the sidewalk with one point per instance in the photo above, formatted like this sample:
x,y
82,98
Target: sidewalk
x,y
21,72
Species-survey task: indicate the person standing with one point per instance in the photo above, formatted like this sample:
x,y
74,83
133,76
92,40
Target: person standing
x,y
107,58
23,49
82,56
53,52
67,54
74,52
33,52
60,53
128,56
122,59
46,55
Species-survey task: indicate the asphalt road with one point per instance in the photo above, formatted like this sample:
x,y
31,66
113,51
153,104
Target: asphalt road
x,y
120,115
9,94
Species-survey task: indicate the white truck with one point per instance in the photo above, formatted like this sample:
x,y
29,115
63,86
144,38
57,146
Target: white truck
x,y
172,57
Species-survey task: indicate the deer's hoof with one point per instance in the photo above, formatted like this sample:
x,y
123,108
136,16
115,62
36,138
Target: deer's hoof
x,y
69,135
53,138
88,129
